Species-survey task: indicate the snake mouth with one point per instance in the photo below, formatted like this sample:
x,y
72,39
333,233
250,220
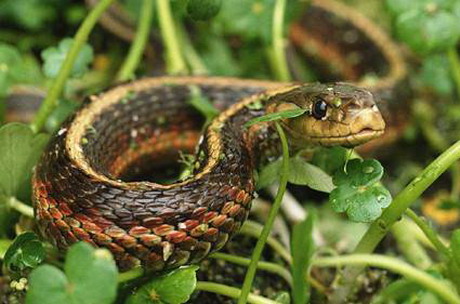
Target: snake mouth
x,y
350,140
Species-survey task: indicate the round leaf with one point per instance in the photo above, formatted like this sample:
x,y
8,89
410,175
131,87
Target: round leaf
x,y
54,57
25,252
358,192
172,288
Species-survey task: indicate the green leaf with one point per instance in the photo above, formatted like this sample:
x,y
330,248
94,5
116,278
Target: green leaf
x,y
202,104
300,173
252,19
303,173
53,58
90,278
203,9
427,32
10,67
276,116
269,174
435,74
330,159
283,297
172,288
19,152
359,192
302,248
30,14
25,252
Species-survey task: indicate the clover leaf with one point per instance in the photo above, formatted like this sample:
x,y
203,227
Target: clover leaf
x,y
54,57
90,276
358,191
25,252
172,288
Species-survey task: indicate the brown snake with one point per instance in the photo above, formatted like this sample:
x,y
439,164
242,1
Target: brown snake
x,y
81,185
88,185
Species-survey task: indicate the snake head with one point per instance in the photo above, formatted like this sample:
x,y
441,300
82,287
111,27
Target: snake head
x,y
336,114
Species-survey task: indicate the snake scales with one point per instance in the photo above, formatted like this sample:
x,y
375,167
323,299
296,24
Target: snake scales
x,y
86,185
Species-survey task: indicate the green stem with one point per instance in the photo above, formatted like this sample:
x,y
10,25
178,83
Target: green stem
x,y
21,207
267,266
2,109
250,274
455,66
174,61
429,232
51,100
131,274
441,288
279,43
194,61
231,292
254,229
140,40
410,247
380,227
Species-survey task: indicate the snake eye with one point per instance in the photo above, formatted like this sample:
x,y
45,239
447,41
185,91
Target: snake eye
x,y
319,109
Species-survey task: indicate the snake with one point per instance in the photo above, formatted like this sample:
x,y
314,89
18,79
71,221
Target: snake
x,y
97,179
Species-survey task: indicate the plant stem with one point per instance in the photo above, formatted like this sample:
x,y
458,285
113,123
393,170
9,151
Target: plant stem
x,y
131,274
231,292
21,207
255,229
455,66
140,40
429,232
278,42
380,227
410,247
175,63
250,274
192,58
51,100
267,266
441,288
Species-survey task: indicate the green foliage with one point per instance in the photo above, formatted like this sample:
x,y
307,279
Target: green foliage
x,y
25,252
453,265
203,9
426,26
435,74
359,192
19,152
53,58
302,248
172,288
276,116
11,67
90,276
300,173
30,14
202,104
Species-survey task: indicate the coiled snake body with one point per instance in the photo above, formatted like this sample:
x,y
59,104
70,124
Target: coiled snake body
x,y
85,186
